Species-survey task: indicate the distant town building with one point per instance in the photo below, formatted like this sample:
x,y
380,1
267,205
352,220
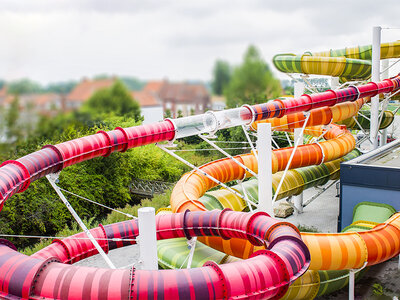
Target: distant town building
x,y
218,102
3,94
183,98
48,104
150,106
84,90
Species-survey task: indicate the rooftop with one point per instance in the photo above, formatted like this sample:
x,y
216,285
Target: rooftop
x,y
146,98
88,87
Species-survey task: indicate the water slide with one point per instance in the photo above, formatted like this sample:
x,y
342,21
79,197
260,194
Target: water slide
x,y
348,63
326,115
256,237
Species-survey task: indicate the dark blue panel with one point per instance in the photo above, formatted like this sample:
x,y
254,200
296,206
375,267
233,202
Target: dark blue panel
x,y
370,176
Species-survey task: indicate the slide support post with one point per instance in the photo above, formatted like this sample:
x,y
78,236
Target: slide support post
x,y
264,168
351,284
147,238
375,77
298,136
385,74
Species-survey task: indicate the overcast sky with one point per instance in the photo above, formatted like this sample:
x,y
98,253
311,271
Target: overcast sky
x,y
56,40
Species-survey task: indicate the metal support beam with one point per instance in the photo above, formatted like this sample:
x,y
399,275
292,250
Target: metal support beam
x,y
227,155
352,276
298,135
290,160
384,75
264,168
52,178
375,77
351,284
163,147
192,246
147,238
319,193
250,141
335,84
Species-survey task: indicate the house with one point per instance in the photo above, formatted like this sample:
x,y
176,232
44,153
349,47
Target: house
x,y
3,95
218,102
48,104
84,90
150,106
180,98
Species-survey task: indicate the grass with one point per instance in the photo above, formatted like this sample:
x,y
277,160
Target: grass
x,y
305,228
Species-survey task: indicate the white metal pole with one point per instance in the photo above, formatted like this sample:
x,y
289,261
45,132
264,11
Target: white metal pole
x,y
192,245
147,238
227,155
264,168
384,75
351,284
296,144
375,76
334,83
298,135
52,179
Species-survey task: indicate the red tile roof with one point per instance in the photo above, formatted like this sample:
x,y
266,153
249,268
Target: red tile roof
x,y
41,99
154,86
87,88
145,98
3,91
8,99
184,92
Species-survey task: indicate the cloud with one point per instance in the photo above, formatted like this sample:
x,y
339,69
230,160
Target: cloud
x,y
56,40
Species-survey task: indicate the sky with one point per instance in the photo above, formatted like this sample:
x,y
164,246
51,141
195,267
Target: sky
x,y
51,41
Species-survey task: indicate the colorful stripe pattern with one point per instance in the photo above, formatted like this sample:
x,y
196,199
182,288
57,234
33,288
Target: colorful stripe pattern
x,y
363,120
267,274
15,176
193,185
348,63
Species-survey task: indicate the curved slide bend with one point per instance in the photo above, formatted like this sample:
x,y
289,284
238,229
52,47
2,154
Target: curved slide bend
x,y
312,283
41,276
349,63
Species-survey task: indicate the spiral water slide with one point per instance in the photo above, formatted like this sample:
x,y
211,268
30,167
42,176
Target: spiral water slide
x,y
267,273
349,63
314,283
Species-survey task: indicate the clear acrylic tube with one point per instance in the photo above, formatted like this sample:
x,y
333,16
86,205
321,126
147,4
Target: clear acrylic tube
x,y
211,122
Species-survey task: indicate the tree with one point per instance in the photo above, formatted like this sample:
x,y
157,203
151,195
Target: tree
x,y
13,130
133,83
61,87
24,86
116,100
222,76
167,114
252,82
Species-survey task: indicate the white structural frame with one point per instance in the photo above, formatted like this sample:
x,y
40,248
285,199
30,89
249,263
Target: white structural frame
x,y
192,245
147,238
298,135
204,138
53,178
290,160
250,142
352,273
384,74
170,152
264,148
375,77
